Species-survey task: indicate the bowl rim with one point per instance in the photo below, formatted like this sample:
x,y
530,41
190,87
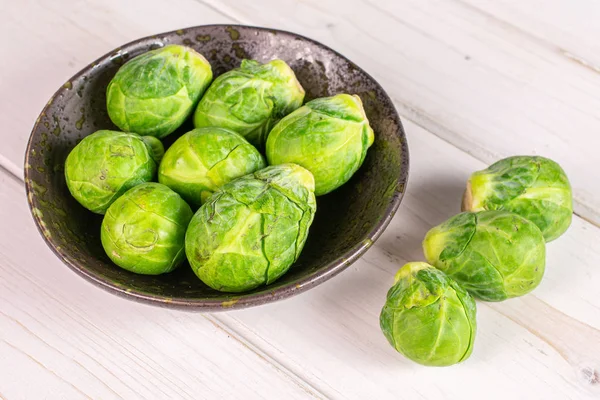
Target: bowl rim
x,y
241,300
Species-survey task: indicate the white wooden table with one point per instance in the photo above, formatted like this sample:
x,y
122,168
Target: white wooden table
x,y
474,80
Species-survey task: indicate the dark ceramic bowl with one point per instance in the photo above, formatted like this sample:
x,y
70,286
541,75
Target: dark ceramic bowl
x,y
347,222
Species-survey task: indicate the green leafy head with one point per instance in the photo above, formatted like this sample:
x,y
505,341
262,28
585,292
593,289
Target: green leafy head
x,y
105,164
203,160
143,231
495,255
428,317
329,136
250,99
534,187
153,93
252,229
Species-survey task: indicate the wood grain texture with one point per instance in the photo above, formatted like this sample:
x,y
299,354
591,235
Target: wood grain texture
x,y
49,41
487,78
545,345
542,346
495,85
487,87
76,341
491,85
570,27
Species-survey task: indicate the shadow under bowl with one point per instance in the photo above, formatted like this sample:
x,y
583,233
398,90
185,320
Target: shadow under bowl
x,y
347,221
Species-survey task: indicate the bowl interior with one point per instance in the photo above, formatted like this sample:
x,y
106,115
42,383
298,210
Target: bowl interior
x,y
347,220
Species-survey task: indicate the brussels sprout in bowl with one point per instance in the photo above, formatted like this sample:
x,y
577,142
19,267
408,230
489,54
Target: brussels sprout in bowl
x,y
347,222
272,211
156,91
250,99
106,164
328,136
202,160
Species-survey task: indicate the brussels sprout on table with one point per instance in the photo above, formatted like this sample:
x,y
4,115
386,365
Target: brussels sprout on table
x,y
144,230
533,187
250,231
153,93
203,160
428,317
328,136
250,99
495,255
105,164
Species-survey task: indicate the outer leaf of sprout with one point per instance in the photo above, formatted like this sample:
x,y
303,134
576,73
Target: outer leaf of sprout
x,y
428,317
153,93
105,164
203,160
143,231
495,255
534,187
249,232
250,99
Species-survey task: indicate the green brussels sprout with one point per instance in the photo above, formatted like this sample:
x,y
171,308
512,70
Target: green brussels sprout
x,y
106,164
251,230
495,255
249,100
143,231
153,93
428,317
533,187
203,160
328,136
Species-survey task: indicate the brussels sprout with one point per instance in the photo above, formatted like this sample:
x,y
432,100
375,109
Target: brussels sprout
x,y
428,317
328,136
495,255
203,160
155,92
533,187
143,231
105,164
251,230
251,99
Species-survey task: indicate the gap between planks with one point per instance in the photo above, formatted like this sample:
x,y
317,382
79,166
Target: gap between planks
x,y
580,61
10,168
60,378
17,174
53,348
455,139
421,119
414,113
216,9
293,376
410,113
237,330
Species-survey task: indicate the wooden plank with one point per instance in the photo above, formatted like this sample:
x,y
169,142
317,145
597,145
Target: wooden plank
x,y
49,41
61,337
477,85
571,27
487,88
545,345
